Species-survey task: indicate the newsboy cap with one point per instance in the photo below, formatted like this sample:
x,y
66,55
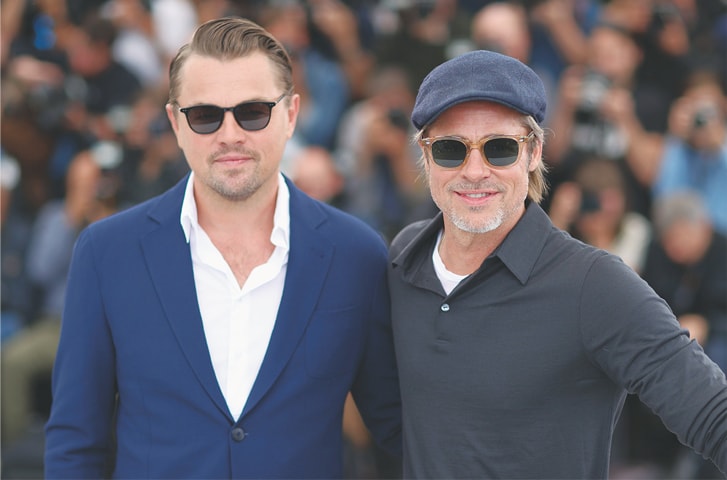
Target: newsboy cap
x,y
479,75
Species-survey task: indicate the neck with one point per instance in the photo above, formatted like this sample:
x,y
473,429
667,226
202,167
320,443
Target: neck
x,y
240,229
220,216
463,252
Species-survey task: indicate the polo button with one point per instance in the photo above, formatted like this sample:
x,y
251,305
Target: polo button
x,y
238,434
445,307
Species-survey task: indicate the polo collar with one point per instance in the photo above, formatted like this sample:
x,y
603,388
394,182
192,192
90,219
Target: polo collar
x,y
519,251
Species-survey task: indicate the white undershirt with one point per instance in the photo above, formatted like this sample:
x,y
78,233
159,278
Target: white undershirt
x,y
238,322
448,279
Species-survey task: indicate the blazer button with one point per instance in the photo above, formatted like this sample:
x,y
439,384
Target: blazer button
x,y
238,434
445,307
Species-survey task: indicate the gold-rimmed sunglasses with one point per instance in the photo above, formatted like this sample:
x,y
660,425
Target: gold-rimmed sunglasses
x,y
499,151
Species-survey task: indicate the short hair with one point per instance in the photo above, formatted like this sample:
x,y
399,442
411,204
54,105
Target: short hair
x,y
681,205
230,38
596,173
100,31
537,182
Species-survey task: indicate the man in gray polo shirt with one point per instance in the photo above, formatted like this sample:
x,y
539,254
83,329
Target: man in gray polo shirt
x,y
516,343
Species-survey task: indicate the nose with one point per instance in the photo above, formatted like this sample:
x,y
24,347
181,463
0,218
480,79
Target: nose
x,y
475,166
229,127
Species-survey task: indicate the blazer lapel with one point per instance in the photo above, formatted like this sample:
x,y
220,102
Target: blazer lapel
x,y
170,265
308,263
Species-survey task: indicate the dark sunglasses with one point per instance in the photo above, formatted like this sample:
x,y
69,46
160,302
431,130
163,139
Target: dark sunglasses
x,y
250,116
499,151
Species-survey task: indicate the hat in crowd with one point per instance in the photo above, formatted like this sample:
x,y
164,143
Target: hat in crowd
x,y
479,75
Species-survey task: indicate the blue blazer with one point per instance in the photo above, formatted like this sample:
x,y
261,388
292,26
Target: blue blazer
x,y
134,391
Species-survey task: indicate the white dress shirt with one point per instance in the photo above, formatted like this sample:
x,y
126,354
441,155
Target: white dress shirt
x,y
238,322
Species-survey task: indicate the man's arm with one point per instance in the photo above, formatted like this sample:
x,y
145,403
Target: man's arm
x,y
376,388
635,338
78,433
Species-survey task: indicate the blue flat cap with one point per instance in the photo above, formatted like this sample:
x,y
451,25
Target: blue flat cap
x,y
479,75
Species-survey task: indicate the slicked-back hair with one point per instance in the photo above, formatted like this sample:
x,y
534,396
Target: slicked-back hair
x,y
230,38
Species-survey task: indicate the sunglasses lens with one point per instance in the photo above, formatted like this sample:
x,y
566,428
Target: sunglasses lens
x,y
253,116
449,153
204,118
501,152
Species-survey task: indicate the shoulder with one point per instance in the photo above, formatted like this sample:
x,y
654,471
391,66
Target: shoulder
x,y
576,262
352,230
141,218
337,227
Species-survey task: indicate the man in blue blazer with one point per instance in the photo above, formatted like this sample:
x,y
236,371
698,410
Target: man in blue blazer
x,y
215,331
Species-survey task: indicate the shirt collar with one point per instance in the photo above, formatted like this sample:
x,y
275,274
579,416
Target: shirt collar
x,y
280,236
518,252
522,247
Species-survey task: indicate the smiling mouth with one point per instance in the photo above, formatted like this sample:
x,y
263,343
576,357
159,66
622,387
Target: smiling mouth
x,y
476,195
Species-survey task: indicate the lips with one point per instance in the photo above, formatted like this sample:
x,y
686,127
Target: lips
x,y
476,195
475,198
232,159
474,192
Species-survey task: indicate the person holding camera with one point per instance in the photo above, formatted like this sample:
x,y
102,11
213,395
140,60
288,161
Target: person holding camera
x,y
377,158
594,208
603,110
695,152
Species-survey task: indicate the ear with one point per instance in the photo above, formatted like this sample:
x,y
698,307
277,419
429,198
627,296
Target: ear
x,y
293,110
425,161
536,157
171,115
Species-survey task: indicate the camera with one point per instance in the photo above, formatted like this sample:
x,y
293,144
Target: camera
x,y
589,202
663,14
49,103
398,119
594,87
703,116
109,157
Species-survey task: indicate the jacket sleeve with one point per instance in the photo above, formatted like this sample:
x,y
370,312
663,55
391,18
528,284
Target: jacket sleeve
x,y
79,430
376,387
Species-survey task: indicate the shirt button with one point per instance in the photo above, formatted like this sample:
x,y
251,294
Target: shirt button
x,y
445,307
238,434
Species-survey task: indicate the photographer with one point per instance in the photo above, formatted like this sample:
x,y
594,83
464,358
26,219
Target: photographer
x,y
55,109
594,208
376,157
695,153
603,111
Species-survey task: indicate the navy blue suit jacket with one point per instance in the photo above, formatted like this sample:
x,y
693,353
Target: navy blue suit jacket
x,y
134,390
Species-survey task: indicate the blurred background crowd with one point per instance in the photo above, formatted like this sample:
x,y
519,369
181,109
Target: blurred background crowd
x,y
636,149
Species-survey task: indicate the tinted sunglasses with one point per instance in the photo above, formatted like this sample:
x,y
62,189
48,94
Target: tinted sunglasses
x,y
250,116
499,151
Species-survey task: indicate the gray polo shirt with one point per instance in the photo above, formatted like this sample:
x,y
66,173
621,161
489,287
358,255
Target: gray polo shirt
x,y
522,371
